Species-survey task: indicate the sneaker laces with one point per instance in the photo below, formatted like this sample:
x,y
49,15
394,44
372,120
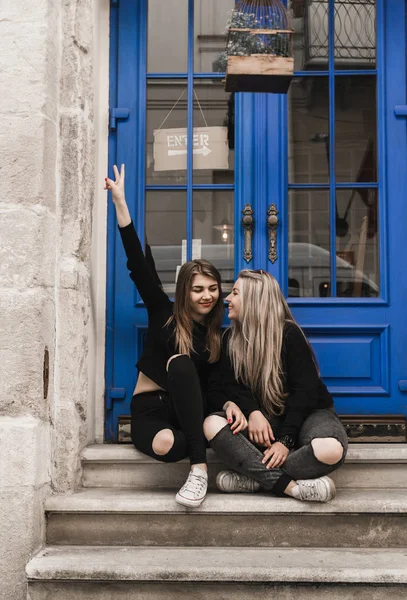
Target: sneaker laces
x,y
309,489
194,483
243,483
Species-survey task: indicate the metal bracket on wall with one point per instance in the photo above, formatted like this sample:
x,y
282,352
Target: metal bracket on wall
x,y
114,394
400,110
117,113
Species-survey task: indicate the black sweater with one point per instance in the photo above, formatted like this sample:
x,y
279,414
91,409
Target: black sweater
x,y
160,340
302,383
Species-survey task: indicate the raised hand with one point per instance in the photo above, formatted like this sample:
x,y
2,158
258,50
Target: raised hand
x,y
118,196
117,186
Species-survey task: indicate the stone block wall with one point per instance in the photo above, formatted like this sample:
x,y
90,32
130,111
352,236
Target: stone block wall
x,y
47,150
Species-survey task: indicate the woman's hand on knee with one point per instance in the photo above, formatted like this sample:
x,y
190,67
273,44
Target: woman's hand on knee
x,y
275,456
260,431
235,417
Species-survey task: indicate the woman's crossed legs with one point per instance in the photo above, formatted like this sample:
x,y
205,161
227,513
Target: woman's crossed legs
x,y
322,449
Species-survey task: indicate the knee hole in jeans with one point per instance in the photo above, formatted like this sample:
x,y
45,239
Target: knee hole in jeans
x,y
163,442
212,425
327,450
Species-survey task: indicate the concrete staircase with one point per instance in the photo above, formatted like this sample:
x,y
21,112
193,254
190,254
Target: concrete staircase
x,y
122,535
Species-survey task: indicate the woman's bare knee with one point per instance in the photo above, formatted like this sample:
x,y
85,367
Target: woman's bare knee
x,y
327,450
163,442
172,357
212,425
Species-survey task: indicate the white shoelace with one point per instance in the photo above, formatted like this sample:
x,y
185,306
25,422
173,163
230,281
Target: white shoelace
x,y
310,490
194,484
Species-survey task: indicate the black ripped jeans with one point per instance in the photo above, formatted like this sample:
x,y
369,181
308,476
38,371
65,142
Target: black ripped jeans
x,y
181,409
239,454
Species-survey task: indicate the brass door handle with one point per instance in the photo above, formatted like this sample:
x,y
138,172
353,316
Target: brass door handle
x,y
272,224
248,225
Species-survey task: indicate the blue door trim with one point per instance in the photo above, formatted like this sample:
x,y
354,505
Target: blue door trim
x,y
261,143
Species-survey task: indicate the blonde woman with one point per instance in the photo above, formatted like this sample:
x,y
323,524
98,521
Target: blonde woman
x,y
183,342
294,437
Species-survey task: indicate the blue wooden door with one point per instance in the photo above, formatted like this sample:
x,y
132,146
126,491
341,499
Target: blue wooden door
x,y
328,160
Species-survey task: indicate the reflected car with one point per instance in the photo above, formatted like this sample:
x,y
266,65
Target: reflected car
x,y
308,273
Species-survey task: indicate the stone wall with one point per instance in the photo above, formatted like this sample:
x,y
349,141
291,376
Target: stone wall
x,y
47,175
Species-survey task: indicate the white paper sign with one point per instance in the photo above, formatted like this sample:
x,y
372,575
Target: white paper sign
x,y
210,148
196,250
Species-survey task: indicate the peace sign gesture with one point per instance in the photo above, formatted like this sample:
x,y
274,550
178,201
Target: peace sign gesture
x,y
118,196
117,186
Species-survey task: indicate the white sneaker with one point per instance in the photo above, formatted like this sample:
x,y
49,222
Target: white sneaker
x,y
315,490
230,481
193,491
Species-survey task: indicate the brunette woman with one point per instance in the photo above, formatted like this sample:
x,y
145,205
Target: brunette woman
x,y
294,437
183,342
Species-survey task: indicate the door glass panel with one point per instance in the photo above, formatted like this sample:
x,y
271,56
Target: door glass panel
x,y
166,130
213,107
355,34
211,17
165,230
308,118
357,247
213,230
308,244
355,122
167,48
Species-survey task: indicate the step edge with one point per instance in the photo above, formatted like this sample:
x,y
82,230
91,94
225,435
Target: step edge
x,y
357,453
38,568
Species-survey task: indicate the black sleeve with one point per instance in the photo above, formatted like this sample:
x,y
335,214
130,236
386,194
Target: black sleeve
x,y
151,264
234,390
151,293
302,379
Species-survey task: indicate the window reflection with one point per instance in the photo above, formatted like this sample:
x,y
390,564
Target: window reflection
x,y
166,109
212,108
211,17
357,243
167,50
308,130
165,229
309,272
355,128
213,228
355,34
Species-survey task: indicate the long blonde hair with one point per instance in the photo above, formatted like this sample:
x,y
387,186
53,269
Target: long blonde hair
x,y
256,339
182,314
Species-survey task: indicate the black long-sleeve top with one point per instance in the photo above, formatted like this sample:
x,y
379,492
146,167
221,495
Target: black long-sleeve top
x,y
160,343
302,383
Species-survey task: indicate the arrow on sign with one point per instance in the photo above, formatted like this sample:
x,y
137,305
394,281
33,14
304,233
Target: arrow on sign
x,y
204,151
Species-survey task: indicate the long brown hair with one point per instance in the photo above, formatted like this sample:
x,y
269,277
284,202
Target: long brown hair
x,y
182,314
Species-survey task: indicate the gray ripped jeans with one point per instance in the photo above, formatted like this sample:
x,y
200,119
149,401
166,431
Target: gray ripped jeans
x,y
239,454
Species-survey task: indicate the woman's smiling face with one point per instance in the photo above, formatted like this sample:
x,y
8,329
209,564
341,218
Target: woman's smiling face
x,y
203,296
234,300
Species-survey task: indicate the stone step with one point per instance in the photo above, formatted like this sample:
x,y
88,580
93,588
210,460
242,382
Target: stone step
x,y
121,465
363,518
117,573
